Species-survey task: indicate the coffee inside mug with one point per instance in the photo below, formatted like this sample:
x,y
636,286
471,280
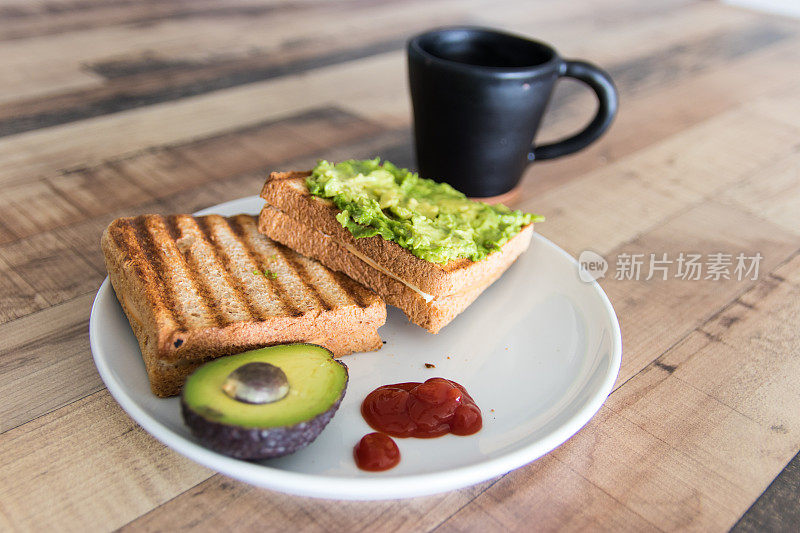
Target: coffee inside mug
x,y
486,49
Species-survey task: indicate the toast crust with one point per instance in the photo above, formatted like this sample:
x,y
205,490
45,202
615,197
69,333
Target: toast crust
x,y
192,296
433,314
288,192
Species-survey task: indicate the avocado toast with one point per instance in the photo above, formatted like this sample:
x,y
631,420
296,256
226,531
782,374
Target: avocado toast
x,y
432,289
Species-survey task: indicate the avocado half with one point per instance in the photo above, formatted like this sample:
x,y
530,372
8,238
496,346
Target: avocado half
x,y
317,383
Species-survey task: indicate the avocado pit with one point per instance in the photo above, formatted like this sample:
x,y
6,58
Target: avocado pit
x,y
257,383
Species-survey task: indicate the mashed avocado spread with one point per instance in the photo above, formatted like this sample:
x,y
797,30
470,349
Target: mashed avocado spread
x,y
432,220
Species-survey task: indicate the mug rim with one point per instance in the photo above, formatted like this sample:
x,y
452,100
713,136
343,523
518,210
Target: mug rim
x,y
503,72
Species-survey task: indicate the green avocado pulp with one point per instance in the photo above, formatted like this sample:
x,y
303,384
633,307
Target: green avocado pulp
x,y
432,220
316,382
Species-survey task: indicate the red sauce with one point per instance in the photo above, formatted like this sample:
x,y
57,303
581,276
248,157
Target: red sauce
x,y
376,452
422,410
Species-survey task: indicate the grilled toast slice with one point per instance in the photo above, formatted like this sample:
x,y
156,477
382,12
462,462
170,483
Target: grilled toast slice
x,y
430,294
197,288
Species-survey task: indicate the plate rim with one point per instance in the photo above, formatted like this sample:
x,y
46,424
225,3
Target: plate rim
x,y
356,488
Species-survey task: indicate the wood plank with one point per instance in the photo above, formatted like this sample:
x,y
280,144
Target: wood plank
x,y
161,172
54,63
327,127
751,365
45,362
32,207
545,496
222,503
662,483
394,145
214,158
125,133
259,149
788,271
776,509
746,362
642,476
647,308
72,145
84,237
17,296
658,26
784,106
168,83
145,176
95,190
740,449
772,193
37,19
51,267
181,57
62,463
652,185
721,47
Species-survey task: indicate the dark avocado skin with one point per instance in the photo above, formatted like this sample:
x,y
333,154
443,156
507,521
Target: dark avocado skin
x,y
259,443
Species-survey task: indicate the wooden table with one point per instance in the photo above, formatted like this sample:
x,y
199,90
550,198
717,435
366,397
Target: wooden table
x,y
111,108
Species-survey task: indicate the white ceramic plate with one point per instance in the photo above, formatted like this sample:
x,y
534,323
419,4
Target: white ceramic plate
x,y
539,351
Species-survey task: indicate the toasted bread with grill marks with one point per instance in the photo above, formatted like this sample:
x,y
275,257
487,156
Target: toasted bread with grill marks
x,y
430,294
195,288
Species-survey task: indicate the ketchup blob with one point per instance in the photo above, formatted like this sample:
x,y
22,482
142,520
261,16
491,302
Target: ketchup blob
x,y
423,410
376,452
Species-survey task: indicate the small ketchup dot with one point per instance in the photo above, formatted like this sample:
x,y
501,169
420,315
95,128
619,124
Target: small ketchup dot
x,y
376,452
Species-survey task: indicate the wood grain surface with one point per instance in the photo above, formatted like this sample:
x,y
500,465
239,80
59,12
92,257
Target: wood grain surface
x,y
112,108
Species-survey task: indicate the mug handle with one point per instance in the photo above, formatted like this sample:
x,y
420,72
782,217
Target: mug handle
x,y
608,100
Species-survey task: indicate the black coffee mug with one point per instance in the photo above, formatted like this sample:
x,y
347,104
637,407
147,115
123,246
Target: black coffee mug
x,y
479,96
